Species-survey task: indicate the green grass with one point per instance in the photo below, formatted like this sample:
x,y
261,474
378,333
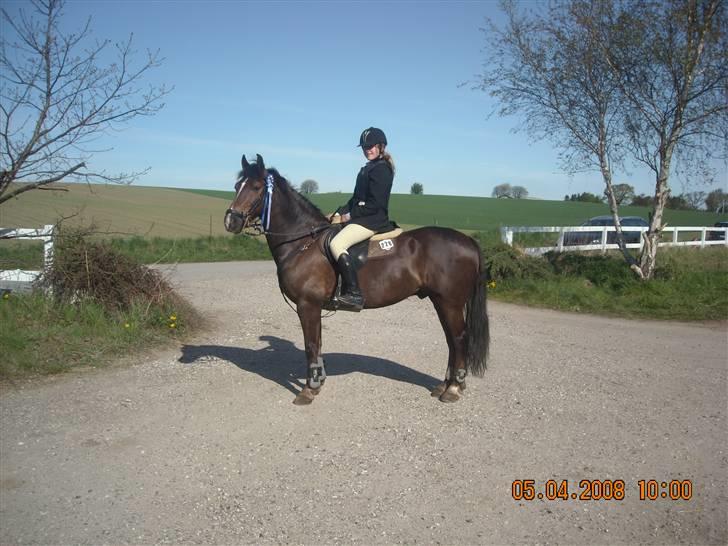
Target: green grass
x,y
21,254
223,248
484,213
41,336
690,284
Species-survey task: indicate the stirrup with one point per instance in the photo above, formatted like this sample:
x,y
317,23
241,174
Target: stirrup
x,y
349,302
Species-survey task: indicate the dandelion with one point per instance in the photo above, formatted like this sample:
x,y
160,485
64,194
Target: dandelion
x,y
127,325
173,317
172,325
6,296
491,284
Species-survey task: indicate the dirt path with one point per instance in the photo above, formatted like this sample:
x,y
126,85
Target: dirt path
x,y
201,444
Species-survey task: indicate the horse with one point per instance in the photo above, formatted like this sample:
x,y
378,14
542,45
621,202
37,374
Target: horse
x,y
430,262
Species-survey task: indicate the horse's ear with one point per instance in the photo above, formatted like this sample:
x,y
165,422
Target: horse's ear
x,y
261,165
245,164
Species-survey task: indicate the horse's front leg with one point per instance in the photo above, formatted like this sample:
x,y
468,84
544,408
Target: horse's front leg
x,y
310,316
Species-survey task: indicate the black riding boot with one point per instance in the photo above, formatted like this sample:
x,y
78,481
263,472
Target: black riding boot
x,y
350,298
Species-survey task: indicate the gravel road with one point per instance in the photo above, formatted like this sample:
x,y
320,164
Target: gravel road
x,y
200,443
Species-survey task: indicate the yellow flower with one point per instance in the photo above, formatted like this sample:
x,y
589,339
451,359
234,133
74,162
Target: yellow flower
x,y
6,296
491,284
172,325
127,325
172,317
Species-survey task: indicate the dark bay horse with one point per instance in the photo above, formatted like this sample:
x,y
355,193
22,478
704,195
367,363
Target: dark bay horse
x,y
442,264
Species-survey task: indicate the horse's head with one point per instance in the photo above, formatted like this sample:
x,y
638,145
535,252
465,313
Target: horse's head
x,y
250,190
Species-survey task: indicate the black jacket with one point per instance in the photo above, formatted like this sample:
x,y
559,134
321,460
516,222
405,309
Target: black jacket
x,y
369,206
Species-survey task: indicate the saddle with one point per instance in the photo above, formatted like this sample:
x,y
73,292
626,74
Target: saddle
x,y
379,245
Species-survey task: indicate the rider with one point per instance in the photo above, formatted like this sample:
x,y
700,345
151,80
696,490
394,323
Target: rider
x,y
366,213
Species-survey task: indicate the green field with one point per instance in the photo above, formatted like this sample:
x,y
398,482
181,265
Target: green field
x,y
126,211
485,213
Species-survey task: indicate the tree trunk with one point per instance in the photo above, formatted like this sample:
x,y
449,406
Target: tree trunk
x,y
651,238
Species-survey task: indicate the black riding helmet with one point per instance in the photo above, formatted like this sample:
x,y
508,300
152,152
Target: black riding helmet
x,y
372,136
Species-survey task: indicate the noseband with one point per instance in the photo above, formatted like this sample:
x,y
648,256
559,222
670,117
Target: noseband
x,y
266,196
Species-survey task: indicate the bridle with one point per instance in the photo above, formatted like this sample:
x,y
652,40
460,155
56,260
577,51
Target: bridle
x,y
257,227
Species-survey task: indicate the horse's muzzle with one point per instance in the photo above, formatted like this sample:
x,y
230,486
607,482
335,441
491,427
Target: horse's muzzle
x,y
234,221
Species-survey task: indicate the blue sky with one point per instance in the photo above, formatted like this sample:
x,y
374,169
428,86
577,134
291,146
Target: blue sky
x,y
298,81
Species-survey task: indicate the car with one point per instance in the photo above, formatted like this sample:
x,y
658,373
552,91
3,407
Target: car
x,y
717,235
595,237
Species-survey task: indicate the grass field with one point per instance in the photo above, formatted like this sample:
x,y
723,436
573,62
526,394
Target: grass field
x,y
485,213
126,211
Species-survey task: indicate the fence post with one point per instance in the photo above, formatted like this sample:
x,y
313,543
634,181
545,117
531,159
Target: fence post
x,y
675,232
507,235
560,243
48,247
702,238
604,240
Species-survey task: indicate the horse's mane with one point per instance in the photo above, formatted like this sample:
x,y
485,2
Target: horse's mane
x,y
285,186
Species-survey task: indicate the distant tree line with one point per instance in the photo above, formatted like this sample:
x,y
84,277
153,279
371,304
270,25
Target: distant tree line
x,y
513,192
715,201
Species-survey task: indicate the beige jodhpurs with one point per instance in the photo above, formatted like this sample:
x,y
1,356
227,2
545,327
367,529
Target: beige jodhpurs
x,y
350,235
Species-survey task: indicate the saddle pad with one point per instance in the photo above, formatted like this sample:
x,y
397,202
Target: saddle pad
x,y
388,235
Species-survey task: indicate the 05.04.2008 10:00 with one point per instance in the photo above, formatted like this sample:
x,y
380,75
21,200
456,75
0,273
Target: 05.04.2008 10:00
x,y
601,490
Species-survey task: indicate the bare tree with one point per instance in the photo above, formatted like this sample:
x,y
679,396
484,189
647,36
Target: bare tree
x,y
56,99
519,192
502,190
696,199
309,186
623,193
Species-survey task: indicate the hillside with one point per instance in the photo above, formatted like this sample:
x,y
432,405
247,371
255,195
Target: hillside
x,y
124,211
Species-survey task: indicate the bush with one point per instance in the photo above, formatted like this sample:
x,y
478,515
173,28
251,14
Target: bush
x,y
85,269
605,271
506,262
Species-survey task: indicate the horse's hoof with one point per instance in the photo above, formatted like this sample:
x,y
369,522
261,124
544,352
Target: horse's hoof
x,y
306,396
302,400
437,391
452,394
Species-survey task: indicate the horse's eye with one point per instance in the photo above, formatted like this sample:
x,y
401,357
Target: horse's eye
x,y
237,185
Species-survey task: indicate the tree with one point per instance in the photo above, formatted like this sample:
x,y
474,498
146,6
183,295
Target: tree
x,y
641,200
677,202
309,186
717,201
669,61
502,190
56,99
609,80
417,189
623,193
695,199
546,67
519,192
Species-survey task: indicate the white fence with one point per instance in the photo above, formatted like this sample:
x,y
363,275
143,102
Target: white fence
x,y
603,245
44,234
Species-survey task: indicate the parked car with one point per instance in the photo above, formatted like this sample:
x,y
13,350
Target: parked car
x,y
595,237
717,235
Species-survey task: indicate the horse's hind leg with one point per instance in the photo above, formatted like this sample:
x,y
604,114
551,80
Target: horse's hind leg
x,y
310,316
453,323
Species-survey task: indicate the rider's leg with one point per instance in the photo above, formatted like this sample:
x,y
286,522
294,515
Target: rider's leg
x,y
350,235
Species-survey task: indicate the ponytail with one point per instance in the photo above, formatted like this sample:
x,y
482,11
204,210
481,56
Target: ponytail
x,y
386,156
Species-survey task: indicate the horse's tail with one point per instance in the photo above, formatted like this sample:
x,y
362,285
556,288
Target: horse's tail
x,y
476,325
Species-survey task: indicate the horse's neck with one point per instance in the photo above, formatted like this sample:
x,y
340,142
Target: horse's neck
x,y
289,220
